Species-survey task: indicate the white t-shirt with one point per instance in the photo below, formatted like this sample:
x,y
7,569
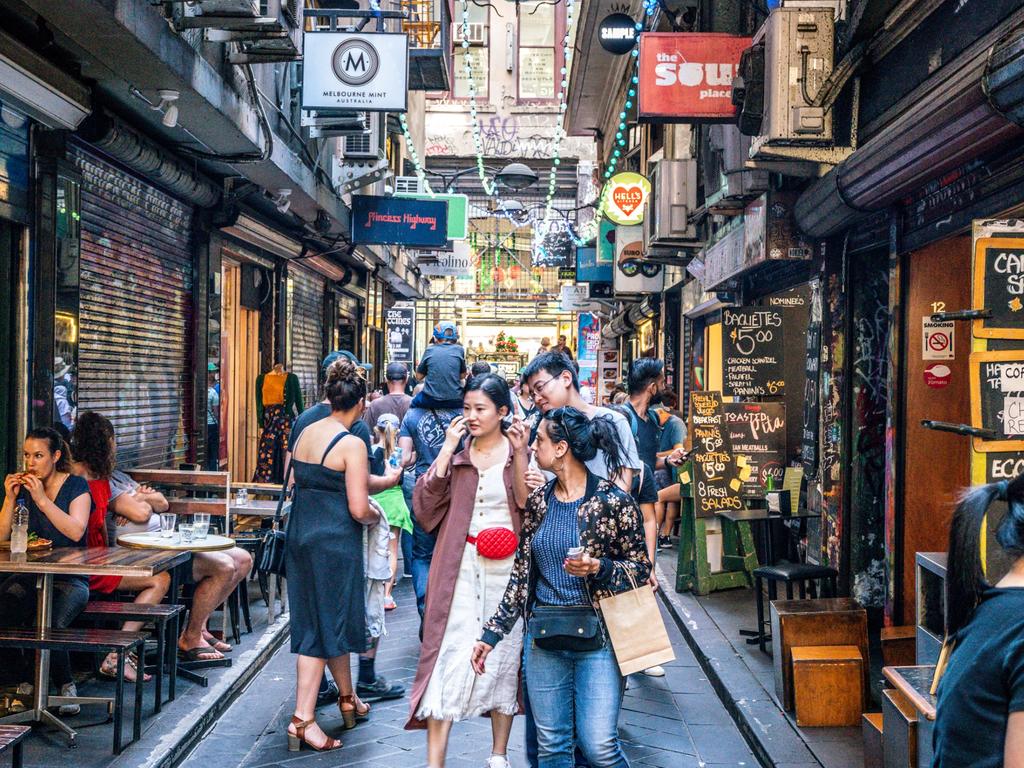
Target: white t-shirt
x,y
630,458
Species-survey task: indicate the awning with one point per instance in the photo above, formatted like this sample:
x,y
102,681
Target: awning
x,y
965,109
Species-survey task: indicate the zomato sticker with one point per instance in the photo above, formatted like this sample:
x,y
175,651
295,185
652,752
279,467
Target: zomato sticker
x,y
937,376
689,74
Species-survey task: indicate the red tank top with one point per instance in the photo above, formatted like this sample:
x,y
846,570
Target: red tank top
x,y
96,535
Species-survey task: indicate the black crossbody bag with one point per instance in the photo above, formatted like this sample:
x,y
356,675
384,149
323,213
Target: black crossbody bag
x,y
270,551
566,628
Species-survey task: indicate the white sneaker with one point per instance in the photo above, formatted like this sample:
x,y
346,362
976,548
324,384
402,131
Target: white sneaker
x,y
497,761
69,709
655,671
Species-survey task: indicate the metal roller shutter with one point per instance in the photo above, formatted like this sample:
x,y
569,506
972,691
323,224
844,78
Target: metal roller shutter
x,y
134,354
305,329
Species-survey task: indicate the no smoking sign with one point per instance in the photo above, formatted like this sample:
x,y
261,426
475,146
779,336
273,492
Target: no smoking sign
x,y
938,340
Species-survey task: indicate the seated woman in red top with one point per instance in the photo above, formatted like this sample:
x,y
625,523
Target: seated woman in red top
x,y
93,449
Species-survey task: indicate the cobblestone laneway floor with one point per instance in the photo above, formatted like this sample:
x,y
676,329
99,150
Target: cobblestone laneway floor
x,y
675,721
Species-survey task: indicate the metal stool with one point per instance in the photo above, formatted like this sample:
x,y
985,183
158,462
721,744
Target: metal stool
x,y
800,574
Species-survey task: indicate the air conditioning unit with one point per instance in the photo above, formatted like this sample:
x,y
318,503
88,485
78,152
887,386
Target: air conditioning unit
x,y
279,40
230,8
798,58
408,185
729,183
667,224
475,33
838,6
335,120
366,144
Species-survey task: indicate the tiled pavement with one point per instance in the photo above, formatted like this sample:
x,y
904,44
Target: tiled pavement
x,y
672,722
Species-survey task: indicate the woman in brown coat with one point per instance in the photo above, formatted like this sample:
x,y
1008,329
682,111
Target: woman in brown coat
x,y
478,492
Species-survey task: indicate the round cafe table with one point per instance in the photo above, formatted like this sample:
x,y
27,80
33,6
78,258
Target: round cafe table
x,y
212,542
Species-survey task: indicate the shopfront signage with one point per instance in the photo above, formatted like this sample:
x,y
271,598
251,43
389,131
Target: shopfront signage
x,y
357,71
455,263
1003,466
625,196
753,339
589,335
938,339
591,266
632,274
401,322
574,298
937,375
397,221
617,33
999,286
458,212
757,431
812,371
997,399
716,478
688,75
723,259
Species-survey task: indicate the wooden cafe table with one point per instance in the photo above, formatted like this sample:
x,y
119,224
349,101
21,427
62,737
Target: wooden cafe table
x,y
74,561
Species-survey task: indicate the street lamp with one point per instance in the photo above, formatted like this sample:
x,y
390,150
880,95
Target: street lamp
x,y
514,176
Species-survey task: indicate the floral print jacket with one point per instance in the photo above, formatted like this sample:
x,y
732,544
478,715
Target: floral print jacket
x,y
611,530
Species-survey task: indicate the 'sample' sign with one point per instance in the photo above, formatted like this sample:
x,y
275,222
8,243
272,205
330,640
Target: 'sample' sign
x,y
366,72
399,221
688,74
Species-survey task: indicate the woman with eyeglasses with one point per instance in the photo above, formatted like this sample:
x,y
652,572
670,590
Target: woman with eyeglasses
x,y
473,499
582,540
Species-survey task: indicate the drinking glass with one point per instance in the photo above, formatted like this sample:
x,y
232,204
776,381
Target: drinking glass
x,y
200,524
167,521
186,530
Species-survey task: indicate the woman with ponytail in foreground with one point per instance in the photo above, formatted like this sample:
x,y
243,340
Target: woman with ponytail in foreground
x,y
582,540
980,710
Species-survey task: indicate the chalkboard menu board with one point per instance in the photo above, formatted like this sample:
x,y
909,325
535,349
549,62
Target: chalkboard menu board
x,y
999,287
752,349
757,432
809,434
1003,465
716,480
997,399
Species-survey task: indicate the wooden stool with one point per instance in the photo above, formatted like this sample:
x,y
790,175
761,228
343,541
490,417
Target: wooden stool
x,y
899,646
899,730
828,685
796,623
871,730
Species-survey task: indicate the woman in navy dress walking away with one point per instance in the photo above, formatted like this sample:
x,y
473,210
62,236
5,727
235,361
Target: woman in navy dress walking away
x,y
324,555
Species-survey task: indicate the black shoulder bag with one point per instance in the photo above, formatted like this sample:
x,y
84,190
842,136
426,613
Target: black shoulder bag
x,y
270,552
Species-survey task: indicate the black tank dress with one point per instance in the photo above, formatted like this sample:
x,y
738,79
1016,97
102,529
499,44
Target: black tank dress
x,y
324,561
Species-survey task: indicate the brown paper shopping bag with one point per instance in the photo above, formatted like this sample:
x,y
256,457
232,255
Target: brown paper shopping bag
x,y
636,628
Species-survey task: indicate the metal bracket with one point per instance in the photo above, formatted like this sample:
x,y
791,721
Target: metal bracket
x,y
960,429
961,314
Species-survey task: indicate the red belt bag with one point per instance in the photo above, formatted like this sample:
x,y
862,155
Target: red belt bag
x,y
495,543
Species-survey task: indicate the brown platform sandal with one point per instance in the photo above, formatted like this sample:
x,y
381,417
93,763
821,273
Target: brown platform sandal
x,y
351,713
297,739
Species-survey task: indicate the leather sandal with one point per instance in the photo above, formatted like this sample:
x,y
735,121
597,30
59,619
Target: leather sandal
x,y
351,711
298,739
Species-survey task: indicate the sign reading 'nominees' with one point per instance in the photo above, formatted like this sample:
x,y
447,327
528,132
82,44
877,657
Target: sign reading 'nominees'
x,y
399,221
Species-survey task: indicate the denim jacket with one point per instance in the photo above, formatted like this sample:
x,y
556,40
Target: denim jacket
x,y
611,530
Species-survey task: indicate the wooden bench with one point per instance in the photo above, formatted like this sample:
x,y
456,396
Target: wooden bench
x,y
165,618
89,641
11,737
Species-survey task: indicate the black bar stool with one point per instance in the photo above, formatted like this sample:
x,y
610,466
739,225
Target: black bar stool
x,y
804,575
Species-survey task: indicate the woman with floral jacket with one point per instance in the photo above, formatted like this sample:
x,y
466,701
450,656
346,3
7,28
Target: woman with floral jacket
x,y
582,540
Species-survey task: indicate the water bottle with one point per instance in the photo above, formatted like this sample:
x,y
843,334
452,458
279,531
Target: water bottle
x,y
19,529
396,457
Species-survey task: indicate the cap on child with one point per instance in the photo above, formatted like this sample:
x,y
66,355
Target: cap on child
x,y
446,331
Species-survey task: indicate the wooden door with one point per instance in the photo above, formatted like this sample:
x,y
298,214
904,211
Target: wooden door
x,y
936,464
240,362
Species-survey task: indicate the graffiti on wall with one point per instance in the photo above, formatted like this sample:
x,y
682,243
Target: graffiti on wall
x,y
869,366
833,355
514,136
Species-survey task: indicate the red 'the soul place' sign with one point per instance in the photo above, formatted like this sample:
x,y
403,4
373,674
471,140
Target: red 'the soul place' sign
x,y
688,74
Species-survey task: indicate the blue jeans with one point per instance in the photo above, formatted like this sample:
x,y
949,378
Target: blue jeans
x,y
18,609
408,483
579,691
422,553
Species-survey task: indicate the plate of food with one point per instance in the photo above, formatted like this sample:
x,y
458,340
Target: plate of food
x,y
35,543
